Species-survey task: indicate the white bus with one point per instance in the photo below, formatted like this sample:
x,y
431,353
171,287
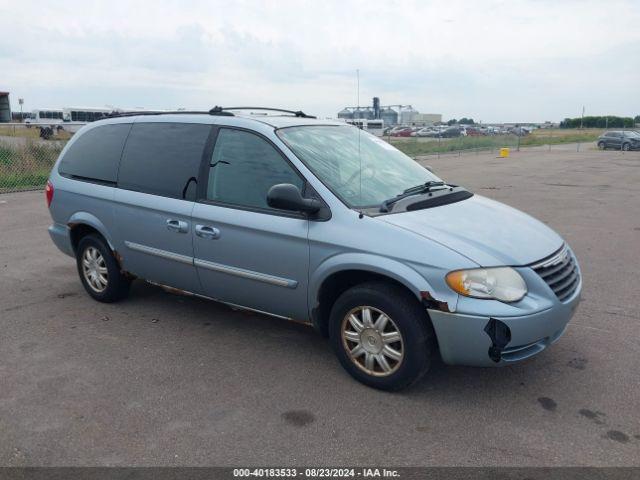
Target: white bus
x,y
44,116
374,127
84,114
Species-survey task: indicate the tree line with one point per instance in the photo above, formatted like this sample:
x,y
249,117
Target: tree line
x,y
462,121
609,121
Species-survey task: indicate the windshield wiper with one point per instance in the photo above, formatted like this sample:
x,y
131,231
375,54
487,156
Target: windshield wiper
x,y
417,190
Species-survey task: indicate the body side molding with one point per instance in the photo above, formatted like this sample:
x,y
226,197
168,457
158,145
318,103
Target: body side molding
x,y
240,272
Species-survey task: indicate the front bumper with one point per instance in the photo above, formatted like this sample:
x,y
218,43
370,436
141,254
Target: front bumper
x,y
463,339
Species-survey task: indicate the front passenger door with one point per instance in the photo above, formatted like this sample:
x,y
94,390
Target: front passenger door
x,y
247,253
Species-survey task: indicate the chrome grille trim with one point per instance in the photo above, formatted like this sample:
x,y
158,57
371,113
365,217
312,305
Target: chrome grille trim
x,y
553,259
560,272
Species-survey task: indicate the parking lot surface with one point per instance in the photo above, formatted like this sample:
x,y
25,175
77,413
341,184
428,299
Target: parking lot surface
x,y
163,379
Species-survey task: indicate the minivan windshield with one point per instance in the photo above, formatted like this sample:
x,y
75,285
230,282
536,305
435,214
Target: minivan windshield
x,y
361,169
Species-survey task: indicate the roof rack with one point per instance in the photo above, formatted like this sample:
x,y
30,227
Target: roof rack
x,y
227,111
115,114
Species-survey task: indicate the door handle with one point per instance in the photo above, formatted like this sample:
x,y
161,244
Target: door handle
x,y
205,231
179,226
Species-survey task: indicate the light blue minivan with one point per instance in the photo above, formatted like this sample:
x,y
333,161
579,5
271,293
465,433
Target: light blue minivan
x,y
317,221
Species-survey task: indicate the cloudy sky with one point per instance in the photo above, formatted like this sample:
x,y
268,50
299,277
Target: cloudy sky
x,y
495,61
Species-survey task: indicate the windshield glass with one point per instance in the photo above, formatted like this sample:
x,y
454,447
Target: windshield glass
x,y
361,169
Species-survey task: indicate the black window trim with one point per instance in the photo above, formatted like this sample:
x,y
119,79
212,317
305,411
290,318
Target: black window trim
x,y
203,180
95,181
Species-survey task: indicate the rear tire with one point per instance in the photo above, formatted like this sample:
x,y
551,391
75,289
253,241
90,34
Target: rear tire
x,y
626,147
99,271
602,146
389,354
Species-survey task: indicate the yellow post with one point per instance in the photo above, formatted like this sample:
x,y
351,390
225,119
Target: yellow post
x,y
504,152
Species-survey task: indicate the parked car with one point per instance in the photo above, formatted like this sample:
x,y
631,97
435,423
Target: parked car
x,y
424,132
403,132
473,132
620,140
520,131
392,130
434,133
315,221
451,132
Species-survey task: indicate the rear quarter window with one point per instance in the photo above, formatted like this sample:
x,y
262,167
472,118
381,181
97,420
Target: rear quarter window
x,y
94,155
161,158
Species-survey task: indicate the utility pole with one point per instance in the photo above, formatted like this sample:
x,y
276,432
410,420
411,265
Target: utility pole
x,y
358,89
582,118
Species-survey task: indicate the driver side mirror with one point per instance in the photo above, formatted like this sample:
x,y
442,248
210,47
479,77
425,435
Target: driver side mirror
x,y
286,196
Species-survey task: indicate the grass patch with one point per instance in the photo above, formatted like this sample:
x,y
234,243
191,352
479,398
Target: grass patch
x,y
413,146
425,146
544,136
23,181
33,132
26,166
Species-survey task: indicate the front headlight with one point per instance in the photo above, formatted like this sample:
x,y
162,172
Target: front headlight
x,y
502,283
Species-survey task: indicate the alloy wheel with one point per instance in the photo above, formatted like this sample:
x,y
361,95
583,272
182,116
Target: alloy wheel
x,y
372,341
94,269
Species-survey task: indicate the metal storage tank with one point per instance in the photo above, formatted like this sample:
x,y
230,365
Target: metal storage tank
x,y
363,112
345,113
389,116
407,114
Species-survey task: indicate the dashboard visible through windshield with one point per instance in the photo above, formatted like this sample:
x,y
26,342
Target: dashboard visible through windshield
x,y
359,168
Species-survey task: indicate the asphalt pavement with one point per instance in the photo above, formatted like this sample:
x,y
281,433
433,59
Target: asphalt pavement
x,y
163,379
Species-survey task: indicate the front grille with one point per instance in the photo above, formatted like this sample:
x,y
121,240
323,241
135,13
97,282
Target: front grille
x,y
560,271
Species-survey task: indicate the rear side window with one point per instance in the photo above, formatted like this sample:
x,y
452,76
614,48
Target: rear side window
x,y
95,154
244,167
163,158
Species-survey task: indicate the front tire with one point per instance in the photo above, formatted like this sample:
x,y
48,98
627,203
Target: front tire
x,y
381,335
626,147
99,271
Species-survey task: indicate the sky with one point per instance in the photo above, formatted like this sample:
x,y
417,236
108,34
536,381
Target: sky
x,y
494,61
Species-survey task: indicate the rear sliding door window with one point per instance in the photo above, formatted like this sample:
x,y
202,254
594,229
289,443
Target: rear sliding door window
x,y
163,158
94,155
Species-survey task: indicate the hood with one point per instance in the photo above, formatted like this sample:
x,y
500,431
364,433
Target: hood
x,y
488,232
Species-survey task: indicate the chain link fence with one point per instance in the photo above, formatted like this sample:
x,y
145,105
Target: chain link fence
x,y
542,138
27,153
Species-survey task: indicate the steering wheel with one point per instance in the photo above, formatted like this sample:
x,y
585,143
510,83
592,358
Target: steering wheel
x,y
355,175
